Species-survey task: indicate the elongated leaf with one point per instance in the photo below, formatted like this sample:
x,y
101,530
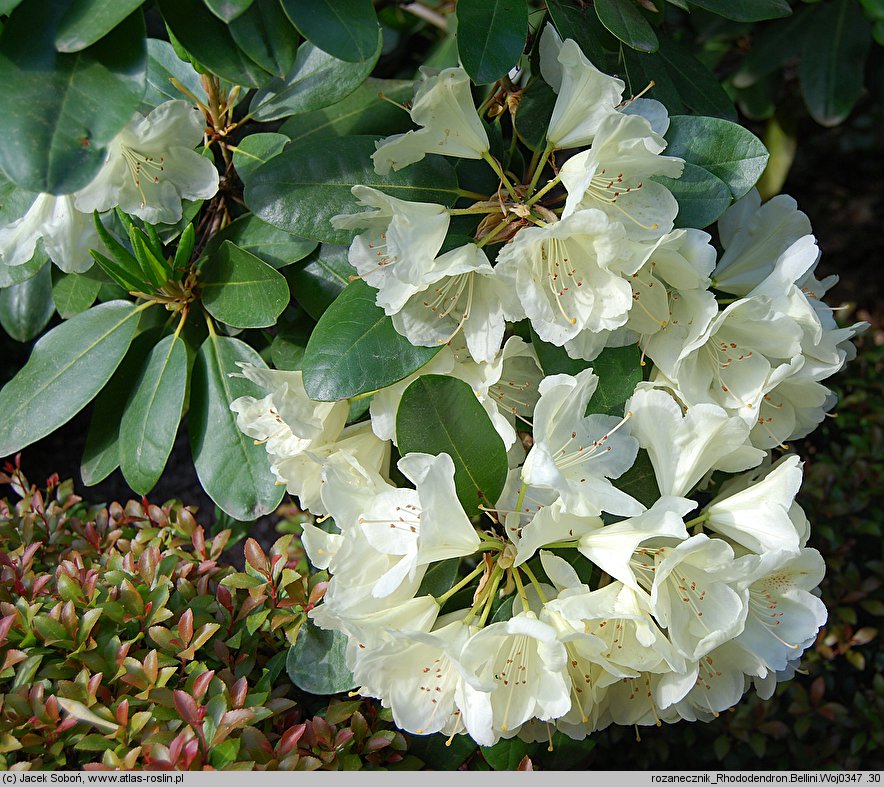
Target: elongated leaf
x,y
347,29
26,308
624,19
681,81
208,39
150,420
228,10
241,290
439,414
302,188
730,152
833,59
745,10
163,65
355,348
702,197
317,663
772,46
316,281
491,36
619,371
316,80
364,111
86,21
265,34
534,113
274,246
582,24
255,150
67,368
232,469
75,292
16,274
60,111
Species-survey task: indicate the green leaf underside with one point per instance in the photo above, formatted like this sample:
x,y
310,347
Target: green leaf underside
x,y
151,416
86,21
317,662
62,110
702,197
355,349
232,469
162,64
26,308
302,188
67,368
491,36
228,10
75,292
241,290
624,19
347,29
439,414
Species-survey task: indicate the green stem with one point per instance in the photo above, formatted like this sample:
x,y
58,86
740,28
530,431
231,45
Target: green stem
x,y
498,170
539,165
551,185
492,592
463,583
495,232
474,209
521,499
472,195
521,588
562,545
534,581
698,521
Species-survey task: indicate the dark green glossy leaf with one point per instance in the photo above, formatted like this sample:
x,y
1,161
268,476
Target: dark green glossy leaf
x,y
440,753
317,662
439,414
320,278
364,111
290,343
86,21
491,36
640,481
833,60
555,360
150,419
681,81
232,469
265,34
317,79
228,10
730,152
255,150
702,197
302,188
771,47
75,292
355,349
624,19
619,370
745,10
582,24
505,755
241,290
274,246
26,308
440,578
210,42
162,66
534,113
67,368
62,110
347,29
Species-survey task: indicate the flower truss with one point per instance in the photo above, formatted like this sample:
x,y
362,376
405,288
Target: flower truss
x,y
570,601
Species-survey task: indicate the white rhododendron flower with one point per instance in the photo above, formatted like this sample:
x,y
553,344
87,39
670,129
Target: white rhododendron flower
x,y
443,105
151,165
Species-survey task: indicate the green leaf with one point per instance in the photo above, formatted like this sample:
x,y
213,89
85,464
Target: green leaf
x,y
162,66
302,188
241,290
289,344
62,110
255,150
505,755
265,34
67,368
439,414
228,10
555,360
210,42
316,80
745,10
624,19
26,308
534,113
440,753
316,281
619,370
640,481
771,47
441,576
702,197
347,29
101,454
364,111
729,152
73,293
833,60
491,36
86,21
317,662
274,246
681,81
583,25
232,469
150,419
355,349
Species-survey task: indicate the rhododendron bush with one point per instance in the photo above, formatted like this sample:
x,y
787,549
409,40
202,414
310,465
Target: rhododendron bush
x,y
522,340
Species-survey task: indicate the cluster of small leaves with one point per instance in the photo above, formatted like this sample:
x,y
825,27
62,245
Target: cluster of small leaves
x,y
125,642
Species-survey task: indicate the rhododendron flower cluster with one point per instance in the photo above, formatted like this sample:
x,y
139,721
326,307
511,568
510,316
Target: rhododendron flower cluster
x,y
568,600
